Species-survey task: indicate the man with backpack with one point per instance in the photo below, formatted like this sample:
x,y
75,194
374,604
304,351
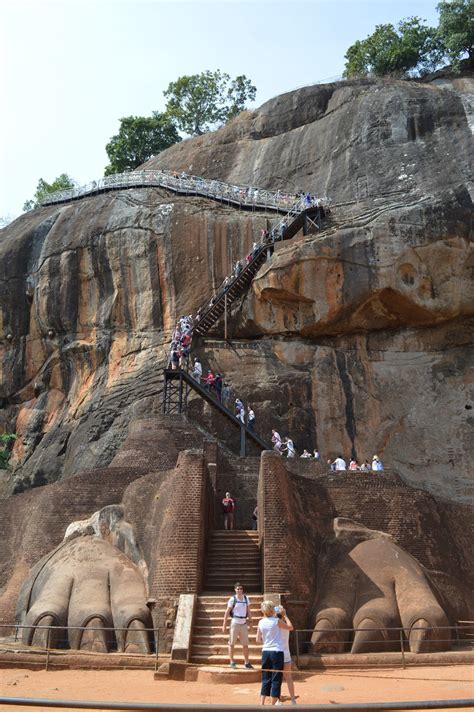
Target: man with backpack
x,y
238,610
228,507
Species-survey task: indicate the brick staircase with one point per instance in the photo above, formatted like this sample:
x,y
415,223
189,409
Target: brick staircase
x,y
210,644
232,556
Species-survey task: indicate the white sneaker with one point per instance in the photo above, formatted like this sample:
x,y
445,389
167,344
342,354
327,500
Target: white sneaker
x,y
278,702
294,702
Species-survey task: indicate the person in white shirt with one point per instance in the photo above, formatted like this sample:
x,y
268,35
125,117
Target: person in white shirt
x,y
250,419
276,440
197,370
238,610
305,454
285,637
273,657
289,447
376,464
340,464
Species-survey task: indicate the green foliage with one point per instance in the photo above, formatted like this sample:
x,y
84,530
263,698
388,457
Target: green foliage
x,y
456,30
62,182
395,52
6,440
200,101
139,138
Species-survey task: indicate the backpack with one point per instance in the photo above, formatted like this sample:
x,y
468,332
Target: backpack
x,y
234,601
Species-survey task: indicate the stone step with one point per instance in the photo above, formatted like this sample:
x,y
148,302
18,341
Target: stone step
x,y
233,533
236,534
221,588
212,659
228,557
247,571
203,625
221,649
216,638
211,608
227,584
218,601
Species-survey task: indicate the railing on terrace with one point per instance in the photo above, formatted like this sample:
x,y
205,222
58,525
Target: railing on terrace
x,y
459,637
239,195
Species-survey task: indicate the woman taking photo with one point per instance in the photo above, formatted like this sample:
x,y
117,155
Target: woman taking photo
x,y
285,639
269,635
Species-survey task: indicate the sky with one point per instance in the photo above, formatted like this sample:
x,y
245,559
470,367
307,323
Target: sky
x,y
70,70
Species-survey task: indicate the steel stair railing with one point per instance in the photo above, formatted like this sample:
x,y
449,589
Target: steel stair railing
x,y
177,403
241,283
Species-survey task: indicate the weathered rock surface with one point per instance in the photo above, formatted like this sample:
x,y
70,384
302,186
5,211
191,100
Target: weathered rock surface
x,y
364,332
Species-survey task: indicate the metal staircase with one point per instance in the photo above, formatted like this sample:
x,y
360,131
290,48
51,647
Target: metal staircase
x,y
175,400
221,303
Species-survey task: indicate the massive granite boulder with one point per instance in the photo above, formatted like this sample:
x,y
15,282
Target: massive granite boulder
x,y
362,333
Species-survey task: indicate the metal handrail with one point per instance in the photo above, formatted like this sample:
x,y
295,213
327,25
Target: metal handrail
x,y
174,707
240,195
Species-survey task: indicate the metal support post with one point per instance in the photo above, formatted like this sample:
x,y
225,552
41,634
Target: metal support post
x,y
305,224
402,647
180,394
48,643
225,316
242,440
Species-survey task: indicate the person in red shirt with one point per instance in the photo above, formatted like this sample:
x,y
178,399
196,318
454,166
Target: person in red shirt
x,y
209,381
228,507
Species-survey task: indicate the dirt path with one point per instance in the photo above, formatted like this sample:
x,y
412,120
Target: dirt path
x,y
344,686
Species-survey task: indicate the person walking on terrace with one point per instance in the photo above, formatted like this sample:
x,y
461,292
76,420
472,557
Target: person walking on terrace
x,y
273,654
377,464
238,610
340,464
228,507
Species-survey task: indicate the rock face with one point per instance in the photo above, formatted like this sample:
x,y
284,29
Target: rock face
x,y
362,334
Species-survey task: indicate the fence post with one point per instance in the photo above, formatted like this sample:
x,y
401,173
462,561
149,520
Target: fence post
x,y
402,648
297,650
155,635
48,643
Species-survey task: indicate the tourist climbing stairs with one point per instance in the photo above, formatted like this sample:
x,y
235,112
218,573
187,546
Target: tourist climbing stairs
x,y
240,283
232,556
175,396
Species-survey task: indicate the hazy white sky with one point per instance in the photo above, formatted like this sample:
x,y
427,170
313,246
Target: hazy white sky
x,y
70,70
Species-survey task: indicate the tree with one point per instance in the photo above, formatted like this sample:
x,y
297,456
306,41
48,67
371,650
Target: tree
x,y
139,138
456,30
198,102
390,51
62,182
6,442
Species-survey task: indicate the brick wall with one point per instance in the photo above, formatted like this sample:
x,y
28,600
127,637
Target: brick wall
x,y
296,513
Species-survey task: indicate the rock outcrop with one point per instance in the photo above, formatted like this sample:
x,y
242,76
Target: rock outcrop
x,y
362,333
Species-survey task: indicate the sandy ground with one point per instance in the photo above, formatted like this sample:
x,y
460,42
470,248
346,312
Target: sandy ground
x,y
343,686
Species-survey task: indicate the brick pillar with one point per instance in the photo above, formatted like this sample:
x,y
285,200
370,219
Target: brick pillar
x,y
273,509
180,549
